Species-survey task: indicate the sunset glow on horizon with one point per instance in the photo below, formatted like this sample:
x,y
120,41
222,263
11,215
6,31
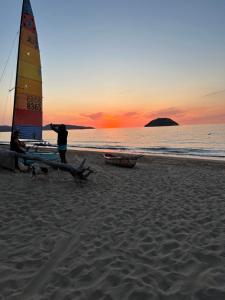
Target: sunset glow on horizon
x,y
139,119
123,63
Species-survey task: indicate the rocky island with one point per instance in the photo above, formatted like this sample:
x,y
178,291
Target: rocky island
x,y
161,122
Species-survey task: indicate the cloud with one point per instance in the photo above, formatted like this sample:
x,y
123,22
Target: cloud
x,y
206,118
167,112
214,93
94,116
100,115
130,114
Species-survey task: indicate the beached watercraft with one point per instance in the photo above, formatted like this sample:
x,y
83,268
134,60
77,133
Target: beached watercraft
x,y
121,160
27,117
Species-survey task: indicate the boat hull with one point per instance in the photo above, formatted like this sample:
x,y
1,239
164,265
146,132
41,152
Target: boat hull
x,y
47,155
120,160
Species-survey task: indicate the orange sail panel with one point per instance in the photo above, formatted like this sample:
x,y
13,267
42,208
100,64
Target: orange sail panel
x,y
27,115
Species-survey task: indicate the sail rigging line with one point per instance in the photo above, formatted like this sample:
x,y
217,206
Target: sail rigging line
x,y
7,98
9,95
8,58
17,67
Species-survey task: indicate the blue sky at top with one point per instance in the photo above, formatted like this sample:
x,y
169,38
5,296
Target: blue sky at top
x,y
157,54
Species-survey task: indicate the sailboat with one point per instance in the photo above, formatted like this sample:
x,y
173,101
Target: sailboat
x,y
27,109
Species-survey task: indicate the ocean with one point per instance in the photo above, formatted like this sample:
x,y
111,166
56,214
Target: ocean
x,y
202,141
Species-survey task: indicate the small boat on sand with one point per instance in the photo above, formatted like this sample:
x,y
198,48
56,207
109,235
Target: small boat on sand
x,y
121,160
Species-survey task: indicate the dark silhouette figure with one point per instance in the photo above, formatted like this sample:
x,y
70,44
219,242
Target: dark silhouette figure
x,y
61,141
17,145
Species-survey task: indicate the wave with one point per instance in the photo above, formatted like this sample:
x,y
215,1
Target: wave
x,y
186,151
192,152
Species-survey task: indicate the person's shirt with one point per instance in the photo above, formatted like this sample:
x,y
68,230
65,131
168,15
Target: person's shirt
x,y
62,137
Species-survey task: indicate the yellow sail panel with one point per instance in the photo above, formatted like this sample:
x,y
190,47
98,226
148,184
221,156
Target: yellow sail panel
x,y
29,71
30,55
29,86
29,39
28,93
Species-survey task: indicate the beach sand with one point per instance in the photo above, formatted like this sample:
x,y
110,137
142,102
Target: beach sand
x,y
153,232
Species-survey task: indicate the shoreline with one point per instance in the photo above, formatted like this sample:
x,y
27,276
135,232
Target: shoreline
x,y
150,157
213,159
69,149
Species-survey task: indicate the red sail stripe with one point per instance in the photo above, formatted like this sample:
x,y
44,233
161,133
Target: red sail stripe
x,y
27,117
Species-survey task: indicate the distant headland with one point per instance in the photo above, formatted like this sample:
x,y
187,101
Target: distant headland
x,y
48,127
161,122
6,128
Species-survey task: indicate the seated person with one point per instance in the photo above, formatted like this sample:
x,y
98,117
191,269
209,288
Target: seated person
x,y
17,145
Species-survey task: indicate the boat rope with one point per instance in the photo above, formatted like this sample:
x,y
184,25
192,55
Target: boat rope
x,y
8,58
9,97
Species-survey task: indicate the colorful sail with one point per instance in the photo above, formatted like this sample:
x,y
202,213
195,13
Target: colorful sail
x,y
27,113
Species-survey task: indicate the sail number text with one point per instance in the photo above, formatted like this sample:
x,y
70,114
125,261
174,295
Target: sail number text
x,y
34,103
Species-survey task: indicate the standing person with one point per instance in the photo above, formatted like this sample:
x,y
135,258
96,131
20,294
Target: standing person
x,y
61,141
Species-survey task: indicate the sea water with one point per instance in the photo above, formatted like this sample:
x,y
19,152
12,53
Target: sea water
x,y
205,141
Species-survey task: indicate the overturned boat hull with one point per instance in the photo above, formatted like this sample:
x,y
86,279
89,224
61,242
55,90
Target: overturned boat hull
x,y
121,160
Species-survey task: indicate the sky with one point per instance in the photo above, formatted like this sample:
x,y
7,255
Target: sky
x,y
122,63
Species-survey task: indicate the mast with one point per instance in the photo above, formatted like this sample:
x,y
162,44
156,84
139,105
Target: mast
x,y
17,67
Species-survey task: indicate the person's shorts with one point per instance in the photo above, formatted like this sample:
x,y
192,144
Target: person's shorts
x,y
62,147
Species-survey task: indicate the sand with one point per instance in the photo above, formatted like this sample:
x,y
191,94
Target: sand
x,y
154,232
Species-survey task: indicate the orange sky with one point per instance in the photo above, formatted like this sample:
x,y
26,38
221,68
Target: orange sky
x,y
194,115
131,110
